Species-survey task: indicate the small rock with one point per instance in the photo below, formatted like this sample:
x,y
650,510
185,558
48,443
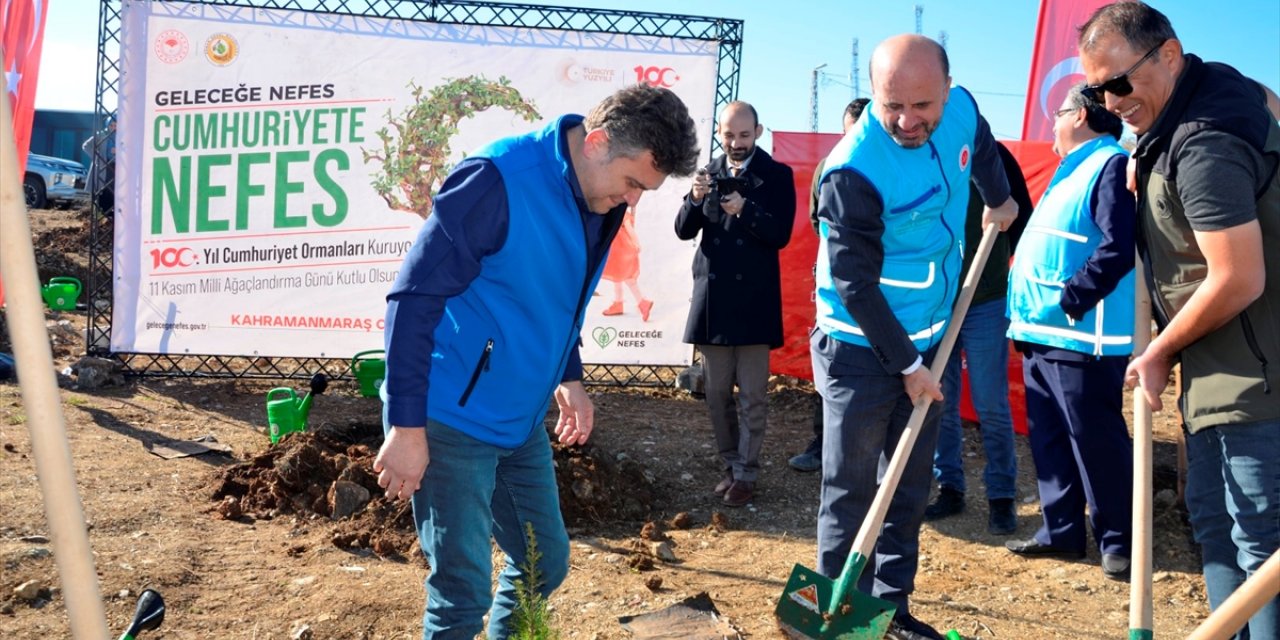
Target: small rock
x,y
36,539
229,508
653,583
662,551
686,477
123,593
1166,498
29,590
346,498
301,632
6,608
613,558
35,553
1161,576
681,521
304,581
719,521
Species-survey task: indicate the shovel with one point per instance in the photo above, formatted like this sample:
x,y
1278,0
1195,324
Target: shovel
x,y
1140,561
814,607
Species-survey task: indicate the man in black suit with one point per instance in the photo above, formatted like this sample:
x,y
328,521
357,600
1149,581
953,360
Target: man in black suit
x,y
744,205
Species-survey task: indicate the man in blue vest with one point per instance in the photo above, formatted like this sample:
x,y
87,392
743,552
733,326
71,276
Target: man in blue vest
x,y
482,329
891,215
1071,314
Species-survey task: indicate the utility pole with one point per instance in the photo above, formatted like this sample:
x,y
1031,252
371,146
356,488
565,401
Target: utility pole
x,y
853,72
919,19
813,98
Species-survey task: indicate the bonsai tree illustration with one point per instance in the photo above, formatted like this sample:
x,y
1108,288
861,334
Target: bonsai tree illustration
x,y
415,145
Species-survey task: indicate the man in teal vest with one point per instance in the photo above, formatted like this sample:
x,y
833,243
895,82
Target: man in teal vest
x,y
1071,315
1209,235
482,329
891,217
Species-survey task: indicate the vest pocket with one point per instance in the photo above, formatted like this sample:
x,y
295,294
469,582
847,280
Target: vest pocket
x,y
482,365
917,201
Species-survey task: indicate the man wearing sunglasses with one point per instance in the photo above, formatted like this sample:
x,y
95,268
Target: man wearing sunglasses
x,y
1209,234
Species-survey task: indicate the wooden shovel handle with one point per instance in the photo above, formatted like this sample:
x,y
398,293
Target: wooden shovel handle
x,y
41,401
1140,562
871,525
1232,614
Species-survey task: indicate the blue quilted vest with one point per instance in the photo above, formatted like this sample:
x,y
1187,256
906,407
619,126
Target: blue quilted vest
x,y
503,344
1059,239
925,192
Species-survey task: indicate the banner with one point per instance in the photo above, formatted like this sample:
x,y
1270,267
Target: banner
x,y
20,41
1055,63
275,167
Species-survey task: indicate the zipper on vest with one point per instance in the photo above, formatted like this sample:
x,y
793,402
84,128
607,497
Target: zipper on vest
x,y
1252,340
946,278
481,366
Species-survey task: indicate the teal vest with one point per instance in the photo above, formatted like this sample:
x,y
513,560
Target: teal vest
x,y
503,343
925,193
1060,237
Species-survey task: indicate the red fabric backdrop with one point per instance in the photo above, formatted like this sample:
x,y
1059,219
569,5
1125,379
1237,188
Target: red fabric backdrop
x,y
1055,65
802,152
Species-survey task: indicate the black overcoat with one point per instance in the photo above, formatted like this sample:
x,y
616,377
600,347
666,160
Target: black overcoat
x,y
737,299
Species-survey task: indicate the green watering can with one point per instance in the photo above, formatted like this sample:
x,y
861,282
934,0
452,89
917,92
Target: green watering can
x,y
286,413
62,293
369,371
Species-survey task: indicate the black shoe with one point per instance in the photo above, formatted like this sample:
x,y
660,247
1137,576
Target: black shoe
x,y
1115,567
1002,520
806,462
948,503
905,627
1034,548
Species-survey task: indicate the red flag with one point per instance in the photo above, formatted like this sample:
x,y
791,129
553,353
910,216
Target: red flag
x,y
23,34
1055,64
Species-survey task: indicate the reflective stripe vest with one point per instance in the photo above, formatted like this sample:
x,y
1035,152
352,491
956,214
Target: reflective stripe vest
x,y
925,193
1060,237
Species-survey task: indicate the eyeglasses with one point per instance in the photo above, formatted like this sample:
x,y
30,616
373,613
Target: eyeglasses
x,y
1118,86
1062,112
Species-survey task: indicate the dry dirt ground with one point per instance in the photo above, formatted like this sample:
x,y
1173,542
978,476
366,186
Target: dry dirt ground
x,y
244,545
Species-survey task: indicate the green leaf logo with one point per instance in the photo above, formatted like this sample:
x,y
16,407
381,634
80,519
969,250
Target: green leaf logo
x,y
604,335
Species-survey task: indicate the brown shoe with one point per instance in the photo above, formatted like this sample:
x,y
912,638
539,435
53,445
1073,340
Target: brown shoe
x,y
725,483
740,493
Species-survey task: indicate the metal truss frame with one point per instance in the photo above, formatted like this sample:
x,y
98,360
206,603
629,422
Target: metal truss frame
x,y
725,31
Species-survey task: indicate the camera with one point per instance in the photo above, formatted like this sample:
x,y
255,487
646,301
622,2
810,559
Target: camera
x,y
727,185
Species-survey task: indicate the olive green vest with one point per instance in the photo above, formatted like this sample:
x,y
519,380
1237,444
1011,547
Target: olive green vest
x,y
1229,375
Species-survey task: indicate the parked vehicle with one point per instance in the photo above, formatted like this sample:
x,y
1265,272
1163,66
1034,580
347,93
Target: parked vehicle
x,y
53,181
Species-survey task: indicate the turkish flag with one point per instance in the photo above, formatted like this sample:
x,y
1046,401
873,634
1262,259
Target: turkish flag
x,y
1055,63
23,33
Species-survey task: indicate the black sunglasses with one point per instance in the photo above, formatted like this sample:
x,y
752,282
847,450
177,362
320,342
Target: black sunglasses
x,y
1118,86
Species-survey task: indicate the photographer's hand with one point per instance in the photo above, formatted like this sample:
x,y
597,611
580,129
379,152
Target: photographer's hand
x,y
732,204
701,186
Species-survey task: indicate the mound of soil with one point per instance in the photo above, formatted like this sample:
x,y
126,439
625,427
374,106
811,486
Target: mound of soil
x,y
329,473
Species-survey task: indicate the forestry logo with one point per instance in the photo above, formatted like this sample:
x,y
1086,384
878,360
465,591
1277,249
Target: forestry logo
x,y
221,49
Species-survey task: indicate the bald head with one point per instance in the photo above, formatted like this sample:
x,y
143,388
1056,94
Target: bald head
x,y
909,53
739,127
910,84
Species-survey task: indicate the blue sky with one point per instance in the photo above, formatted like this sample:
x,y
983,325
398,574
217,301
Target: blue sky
x,y
989,42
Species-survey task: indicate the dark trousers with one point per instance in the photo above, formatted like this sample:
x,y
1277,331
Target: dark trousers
x,y
1081,447
867,411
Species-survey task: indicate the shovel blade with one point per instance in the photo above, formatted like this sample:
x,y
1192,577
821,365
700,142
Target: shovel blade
x,y
807,596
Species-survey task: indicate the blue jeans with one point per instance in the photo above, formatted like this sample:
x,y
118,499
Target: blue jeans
x,y
472,492
982,337
866,411
1233,498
